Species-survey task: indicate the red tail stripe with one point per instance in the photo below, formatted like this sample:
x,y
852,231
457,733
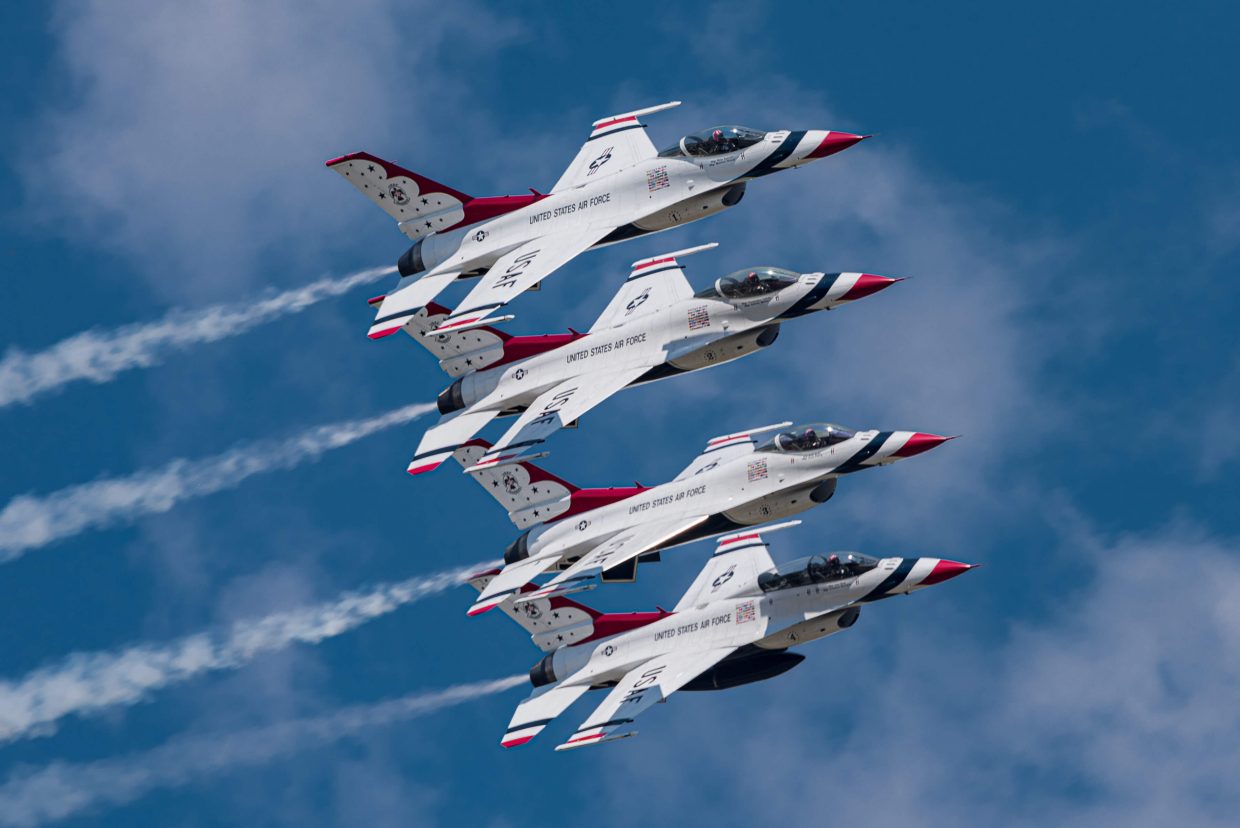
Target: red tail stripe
x,y
655,262
614,121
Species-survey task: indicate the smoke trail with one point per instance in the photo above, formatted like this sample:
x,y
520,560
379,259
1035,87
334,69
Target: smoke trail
x,y
28,522
61,789
87,682
98,356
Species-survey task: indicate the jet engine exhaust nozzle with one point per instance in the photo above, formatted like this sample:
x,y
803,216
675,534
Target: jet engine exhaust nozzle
x,y
410,262
542,673
451,398
519,549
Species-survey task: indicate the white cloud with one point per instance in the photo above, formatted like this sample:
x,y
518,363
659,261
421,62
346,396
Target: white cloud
x,y
98,356
87,682
60,789
30,521
1117,707
193,136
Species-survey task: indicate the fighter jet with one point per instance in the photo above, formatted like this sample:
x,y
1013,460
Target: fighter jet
x,y
617,188
597,535
655,327
734,626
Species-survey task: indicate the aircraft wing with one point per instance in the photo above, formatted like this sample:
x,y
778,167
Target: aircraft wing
x,y
592,567
410,296
442,439
555,408
653,284
538,711
518,270
643,686
724,448
734,568
508,582
615,142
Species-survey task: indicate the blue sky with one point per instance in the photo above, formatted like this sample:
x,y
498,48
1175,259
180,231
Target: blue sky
x,y
1062,185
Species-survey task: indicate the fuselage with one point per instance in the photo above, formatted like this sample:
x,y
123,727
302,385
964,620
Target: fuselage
x,y
771,621
744,491
653,195
689,335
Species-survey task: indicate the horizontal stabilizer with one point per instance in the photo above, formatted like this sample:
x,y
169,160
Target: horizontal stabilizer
x,y
538,711
443,439
509,582
400,306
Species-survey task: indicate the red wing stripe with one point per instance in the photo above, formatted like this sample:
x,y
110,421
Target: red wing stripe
x,y
384,332
584,739
514,742
754,536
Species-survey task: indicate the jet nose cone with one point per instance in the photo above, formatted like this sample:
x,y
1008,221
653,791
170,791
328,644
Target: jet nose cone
x,y
919,443
866,284
945,570
833,142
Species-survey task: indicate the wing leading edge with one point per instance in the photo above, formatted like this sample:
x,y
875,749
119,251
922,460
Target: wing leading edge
x,y
518,270
640,689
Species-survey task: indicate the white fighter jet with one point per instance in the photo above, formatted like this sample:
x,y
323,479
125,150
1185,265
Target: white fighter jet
x,y
617,188
655,327
734,626
596,535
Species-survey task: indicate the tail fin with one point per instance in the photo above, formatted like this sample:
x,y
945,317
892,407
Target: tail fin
x,y
551,622
458,353
420,205
403,195
529,493
558,621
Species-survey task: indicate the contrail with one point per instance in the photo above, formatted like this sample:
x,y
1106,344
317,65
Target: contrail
x,y
62,789
98,356
87,682
30,521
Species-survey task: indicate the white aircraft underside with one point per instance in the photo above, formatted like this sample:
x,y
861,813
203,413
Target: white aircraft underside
x,y
654,327
617,187
599,534
732,626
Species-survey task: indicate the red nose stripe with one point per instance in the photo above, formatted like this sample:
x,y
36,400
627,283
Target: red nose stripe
x,y
867,284
944,570
835,142
918,443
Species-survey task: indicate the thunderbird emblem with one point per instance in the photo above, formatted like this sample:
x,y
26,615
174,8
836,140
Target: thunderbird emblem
x,y
398,194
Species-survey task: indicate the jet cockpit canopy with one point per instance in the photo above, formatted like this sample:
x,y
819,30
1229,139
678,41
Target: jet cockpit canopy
x,y
750,283
718,140
816,569
807,437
